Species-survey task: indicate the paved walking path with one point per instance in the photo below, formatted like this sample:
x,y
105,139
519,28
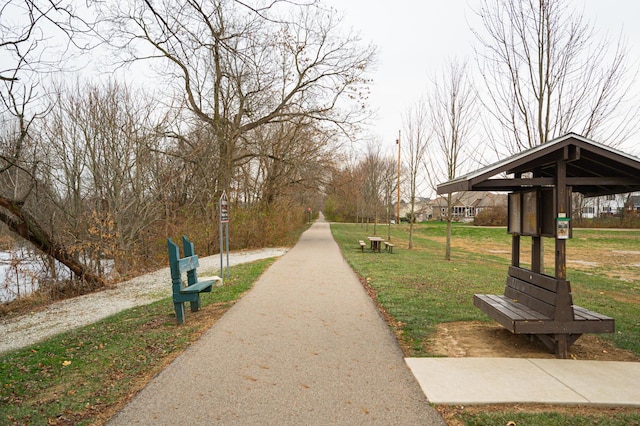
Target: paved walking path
x,y
305,347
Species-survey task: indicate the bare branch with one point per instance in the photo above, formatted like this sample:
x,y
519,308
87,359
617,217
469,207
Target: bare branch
x,y
547,74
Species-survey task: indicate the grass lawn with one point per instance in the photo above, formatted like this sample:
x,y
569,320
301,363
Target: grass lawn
x,y
85,375
420,290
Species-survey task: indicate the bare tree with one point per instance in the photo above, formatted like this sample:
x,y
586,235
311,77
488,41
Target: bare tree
x,y
99,140
452,106
344,196
241,68
287,158
546,74
27,31
415,144
374,167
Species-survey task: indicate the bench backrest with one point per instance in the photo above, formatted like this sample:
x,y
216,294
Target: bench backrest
x,y
178,265
543,293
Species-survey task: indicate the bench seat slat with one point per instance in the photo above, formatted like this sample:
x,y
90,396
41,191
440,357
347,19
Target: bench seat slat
x,y
564,327
537,292
530,301
541,280
582,314
200,286
518,311
505,312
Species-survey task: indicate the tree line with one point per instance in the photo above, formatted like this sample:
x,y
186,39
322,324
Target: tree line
x,y
248,98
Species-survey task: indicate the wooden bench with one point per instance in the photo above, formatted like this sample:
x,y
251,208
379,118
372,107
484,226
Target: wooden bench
x,y
542,305
189,291
362,245
388,246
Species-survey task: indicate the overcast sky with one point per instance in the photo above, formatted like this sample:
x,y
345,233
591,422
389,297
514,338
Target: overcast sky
x,y
415,37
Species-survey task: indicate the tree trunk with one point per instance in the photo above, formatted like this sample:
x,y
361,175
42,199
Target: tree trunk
x,y
27,227
447,252
411,217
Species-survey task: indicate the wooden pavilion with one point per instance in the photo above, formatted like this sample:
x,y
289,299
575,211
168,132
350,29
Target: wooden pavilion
x,y
541,181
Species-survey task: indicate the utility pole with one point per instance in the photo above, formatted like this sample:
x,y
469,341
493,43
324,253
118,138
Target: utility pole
x,y
398,205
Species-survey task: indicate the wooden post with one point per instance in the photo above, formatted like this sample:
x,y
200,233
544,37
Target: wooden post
x,y
561,202
515,237
536,254
564,291
515,250
537,246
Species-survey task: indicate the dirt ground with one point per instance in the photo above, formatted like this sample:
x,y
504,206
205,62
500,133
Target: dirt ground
x,y
480,339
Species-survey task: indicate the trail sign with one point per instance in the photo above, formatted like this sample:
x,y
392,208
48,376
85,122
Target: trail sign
x,y
224,208
224,232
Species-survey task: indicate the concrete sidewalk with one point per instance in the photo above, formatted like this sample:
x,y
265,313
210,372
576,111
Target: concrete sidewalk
x,y
306,346
464,381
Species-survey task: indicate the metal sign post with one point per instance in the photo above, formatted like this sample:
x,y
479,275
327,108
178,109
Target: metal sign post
x,y
224,230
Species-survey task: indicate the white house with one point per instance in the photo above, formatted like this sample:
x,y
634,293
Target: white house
x,y
608,205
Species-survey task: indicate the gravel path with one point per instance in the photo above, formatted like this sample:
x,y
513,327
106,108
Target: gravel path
x,y
24,330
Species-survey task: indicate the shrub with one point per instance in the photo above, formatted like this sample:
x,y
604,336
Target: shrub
x,y
495,216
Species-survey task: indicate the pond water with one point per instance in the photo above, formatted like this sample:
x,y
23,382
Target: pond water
x,y
20,270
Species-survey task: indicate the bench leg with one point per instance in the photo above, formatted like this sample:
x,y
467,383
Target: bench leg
x,y
195,304
179,308
559,344
548,341
562,346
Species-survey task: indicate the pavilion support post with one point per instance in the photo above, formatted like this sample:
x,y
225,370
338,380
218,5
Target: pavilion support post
x,y
561,202
515,250
537,244
515,239
564,291
537,250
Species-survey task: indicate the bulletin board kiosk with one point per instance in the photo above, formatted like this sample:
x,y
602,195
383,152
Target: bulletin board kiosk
x,y
540,182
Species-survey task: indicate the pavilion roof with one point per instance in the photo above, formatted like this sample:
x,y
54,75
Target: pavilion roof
x,y
593,169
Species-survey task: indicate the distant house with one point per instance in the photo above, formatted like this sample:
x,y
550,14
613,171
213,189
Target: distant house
x,y
633,204
466,205
423,209
608,205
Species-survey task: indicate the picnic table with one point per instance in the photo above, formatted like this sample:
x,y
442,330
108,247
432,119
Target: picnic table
x,y
376,243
